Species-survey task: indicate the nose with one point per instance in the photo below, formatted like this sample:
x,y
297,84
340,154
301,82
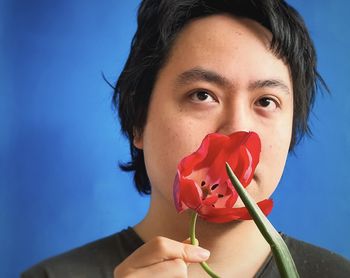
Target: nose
x,y
235,117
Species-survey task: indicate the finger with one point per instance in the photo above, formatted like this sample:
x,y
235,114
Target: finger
x,y
169,268
162,249
188,241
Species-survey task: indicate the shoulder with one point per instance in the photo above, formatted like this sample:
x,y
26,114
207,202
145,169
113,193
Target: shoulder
x,y
95,259
310,260
314,261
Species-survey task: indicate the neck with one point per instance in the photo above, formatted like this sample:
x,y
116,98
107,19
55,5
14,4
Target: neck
x,y
237,243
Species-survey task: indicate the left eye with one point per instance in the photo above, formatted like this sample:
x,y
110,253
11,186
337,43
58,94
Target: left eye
x,y
267,103
202,96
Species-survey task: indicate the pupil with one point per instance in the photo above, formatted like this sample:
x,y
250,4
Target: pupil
x,y
264,102
202,95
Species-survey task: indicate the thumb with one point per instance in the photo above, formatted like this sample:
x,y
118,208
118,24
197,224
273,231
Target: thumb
x,y
188,241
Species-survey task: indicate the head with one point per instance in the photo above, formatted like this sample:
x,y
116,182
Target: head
x,y
160,25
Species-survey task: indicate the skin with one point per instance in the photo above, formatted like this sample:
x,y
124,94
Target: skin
x,y
220,77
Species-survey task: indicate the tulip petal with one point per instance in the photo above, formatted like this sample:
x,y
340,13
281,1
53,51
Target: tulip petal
x,y
224,215
189,194
202,183
210,200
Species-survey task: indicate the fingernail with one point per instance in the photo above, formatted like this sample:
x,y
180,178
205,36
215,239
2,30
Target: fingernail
x,y
202,253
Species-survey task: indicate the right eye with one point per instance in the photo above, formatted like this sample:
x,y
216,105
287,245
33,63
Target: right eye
x,y
202,96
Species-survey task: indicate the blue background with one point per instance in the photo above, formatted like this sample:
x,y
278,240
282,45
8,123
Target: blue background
x,y
60,144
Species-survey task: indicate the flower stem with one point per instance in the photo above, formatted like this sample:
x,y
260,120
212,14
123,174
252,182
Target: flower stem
x,y
279,248
204,265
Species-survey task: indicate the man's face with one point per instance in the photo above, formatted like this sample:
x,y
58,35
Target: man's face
x,y
220,77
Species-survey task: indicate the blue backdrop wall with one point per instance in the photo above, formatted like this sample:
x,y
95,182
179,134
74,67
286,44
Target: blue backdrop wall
x,y
60,143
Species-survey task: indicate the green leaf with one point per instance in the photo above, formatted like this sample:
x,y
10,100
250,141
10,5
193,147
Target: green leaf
x,y
279,248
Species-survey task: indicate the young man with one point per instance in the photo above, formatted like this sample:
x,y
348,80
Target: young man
x,y
198,67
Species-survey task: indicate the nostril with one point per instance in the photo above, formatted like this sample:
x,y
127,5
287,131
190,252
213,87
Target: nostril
x,y
229,130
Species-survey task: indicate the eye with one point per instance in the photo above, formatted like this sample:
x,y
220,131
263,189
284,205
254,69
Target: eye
x,y
202,96
267,103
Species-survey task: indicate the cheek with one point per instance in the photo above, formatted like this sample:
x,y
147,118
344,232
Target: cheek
x,y
272,160
274,155
166,142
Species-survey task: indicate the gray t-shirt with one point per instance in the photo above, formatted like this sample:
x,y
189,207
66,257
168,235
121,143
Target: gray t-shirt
x,y
99,258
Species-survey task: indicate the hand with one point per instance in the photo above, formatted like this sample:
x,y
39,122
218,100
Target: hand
x,y
161,257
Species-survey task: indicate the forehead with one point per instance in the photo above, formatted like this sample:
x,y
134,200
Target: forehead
x,y
222,29
239,25
237,48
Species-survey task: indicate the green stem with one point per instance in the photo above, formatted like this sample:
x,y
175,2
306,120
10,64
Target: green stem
x,y
204,265
279,248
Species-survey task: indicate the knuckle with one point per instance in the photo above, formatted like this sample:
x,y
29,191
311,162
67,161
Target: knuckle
x,y
187,251
160,243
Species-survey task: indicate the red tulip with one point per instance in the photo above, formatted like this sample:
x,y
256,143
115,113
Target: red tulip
x,y
202,184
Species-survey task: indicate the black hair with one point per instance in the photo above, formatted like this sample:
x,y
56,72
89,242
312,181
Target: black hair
x,y
159,22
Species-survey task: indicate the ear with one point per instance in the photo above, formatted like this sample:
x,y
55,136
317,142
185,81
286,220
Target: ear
x,y
138,139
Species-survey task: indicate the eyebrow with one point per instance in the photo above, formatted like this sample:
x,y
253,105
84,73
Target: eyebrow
x,y
269,83
199,74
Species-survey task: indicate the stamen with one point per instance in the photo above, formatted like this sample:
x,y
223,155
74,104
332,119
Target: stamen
x,y
203,183
214,186
220,195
